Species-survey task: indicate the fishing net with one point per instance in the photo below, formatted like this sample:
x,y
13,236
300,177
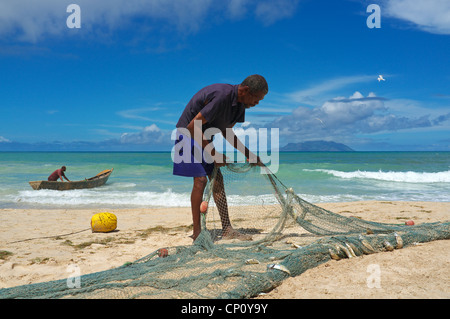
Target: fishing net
x,y
276,234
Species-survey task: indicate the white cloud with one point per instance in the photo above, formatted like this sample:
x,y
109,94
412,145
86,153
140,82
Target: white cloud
x,y
343,118
245,124
406,107
4,140
149,135
148,113
271,11
311,94
31,20
238,8
429,15
136,114
342,111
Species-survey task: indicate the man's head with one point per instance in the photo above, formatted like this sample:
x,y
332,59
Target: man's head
x,y
63,168
252,90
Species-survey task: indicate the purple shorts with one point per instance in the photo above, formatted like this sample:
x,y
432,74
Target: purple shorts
x,y
189,160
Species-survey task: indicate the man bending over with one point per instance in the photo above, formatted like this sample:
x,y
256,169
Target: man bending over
x,y
218,106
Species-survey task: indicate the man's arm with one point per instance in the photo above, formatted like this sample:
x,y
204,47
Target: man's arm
x,y
237,144
197,134
196,130
63,175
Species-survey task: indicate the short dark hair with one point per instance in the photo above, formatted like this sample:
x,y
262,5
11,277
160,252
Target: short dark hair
x,y
256,83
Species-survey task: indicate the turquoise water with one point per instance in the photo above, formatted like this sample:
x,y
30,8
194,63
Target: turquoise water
x,y
146,180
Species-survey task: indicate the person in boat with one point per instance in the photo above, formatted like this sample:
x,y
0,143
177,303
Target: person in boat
x,y
59,173
218,106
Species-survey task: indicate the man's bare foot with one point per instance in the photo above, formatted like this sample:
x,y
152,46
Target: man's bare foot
x,y
194,236
234,234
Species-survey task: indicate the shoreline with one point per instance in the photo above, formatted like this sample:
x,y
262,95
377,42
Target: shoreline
x,y
44,244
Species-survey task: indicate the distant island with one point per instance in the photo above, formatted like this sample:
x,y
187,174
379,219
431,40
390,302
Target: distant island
x,y
316,146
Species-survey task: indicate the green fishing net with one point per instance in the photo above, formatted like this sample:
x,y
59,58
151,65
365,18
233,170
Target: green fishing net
x,y
277,235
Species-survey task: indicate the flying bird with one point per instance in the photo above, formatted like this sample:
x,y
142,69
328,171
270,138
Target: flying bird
x,y
380,78
316,118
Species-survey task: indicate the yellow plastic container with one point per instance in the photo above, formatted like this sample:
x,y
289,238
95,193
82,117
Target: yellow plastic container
x,y
103,222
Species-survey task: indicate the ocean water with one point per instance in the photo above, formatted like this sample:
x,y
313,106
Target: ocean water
x,y
146,180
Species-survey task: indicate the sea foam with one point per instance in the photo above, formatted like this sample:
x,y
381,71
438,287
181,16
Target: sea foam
x,y
404,177
97,198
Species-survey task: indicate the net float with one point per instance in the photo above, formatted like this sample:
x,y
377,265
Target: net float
x,y
203,207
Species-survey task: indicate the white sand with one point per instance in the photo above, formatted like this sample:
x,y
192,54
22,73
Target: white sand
x,y
422,271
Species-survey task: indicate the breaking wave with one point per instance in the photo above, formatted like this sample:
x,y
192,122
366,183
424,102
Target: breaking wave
x,y
403,177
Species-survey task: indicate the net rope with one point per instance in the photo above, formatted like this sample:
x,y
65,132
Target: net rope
x,y
276,234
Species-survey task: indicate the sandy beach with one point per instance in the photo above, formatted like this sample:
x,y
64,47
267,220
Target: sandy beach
x,y
40,245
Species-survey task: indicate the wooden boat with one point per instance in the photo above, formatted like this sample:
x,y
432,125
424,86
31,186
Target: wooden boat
x,y
96,181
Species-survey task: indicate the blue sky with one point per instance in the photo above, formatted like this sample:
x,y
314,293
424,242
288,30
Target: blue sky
x,y
121,81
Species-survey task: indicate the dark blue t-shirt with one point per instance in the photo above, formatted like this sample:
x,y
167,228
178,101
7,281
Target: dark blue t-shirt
x,y
218,104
